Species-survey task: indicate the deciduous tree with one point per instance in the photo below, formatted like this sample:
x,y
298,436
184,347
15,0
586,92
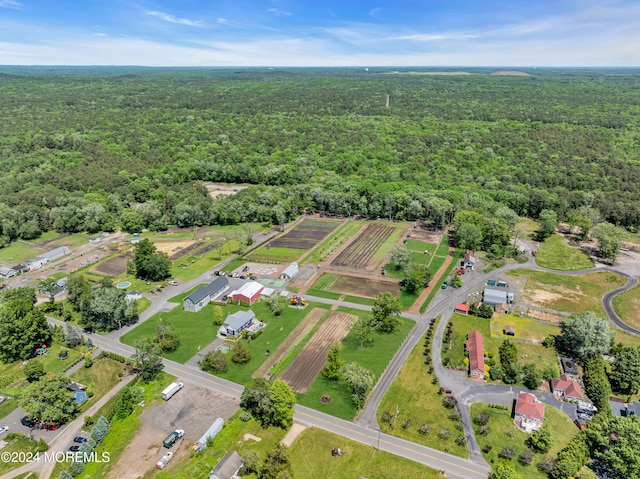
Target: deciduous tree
x,y
609,238
360,381
625,374
49,400
23,328
363,329
585,335
147,358
400,256
385,311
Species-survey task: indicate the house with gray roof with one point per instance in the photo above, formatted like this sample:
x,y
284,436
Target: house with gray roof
x,y
237,322
227,467
203,296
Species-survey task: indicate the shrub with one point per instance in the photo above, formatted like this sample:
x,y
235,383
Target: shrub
x,y
241,354
507,453
526,457
487,449
482,419
406,424
484,430
454,416
386,417
547,464
424,429
245,416
13,435
444,434
461,439
449,402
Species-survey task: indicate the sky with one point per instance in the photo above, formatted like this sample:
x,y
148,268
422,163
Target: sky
x,y
320,32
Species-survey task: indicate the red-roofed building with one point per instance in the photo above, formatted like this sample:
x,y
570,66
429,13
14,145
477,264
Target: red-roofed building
x,y
249,293
566,388
529,413
462,308
476,355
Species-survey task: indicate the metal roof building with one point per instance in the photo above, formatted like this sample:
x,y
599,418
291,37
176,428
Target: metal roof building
x,y
203,296
493,297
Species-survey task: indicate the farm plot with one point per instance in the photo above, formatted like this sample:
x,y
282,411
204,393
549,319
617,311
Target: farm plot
x,y
305,235
115,266
360,252
308,363
363,287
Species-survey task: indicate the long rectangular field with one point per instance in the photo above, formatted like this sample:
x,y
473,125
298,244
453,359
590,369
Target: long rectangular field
x,y
361,253
356,286
308,363
306,234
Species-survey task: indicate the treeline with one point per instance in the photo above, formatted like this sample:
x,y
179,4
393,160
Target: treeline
x,y
100,149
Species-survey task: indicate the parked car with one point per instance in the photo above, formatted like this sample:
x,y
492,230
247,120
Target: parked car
x,y
74,448
4,429
173,283
253,278
242,276
27,422
234,275
79,439
245,269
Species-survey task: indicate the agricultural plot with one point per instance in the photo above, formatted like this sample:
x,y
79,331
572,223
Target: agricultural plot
x,y
306,235
115,266
308,363
350,286
275,255
361,252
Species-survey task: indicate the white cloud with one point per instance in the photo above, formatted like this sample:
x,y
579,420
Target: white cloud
x,y
173,19
375,12
10,4
429,37
278,12
100,34
222,21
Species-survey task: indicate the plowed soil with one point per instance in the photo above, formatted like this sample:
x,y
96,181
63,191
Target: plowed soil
x,y
360,251
310,361
115,266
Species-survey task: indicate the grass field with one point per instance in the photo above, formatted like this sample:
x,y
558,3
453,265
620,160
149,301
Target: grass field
x,y
554,253
534,352
8,406
274,255
573,294
99,378
417,249
374,357
627,306
17,252
504,433
417,399
23,444
333,241
526,329
311,459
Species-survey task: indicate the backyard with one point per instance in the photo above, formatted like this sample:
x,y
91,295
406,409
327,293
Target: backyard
x,y
503,433
555,253
415,396
99,378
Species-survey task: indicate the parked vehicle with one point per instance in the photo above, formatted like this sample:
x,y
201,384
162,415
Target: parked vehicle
x,y
242,276
74,448
445,285
253,278
79,439
173,283
27,422
4,429
162,463
245,269
171,389
171,439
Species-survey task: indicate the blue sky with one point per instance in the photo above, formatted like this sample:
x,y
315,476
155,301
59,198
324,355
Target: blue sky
x,y
320,33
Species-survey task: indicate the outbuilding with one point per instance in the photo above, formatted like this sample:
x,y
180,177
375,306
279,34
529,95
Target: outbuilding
x,y
212,432
462,308
227,467
493,297
203,296
289,272
249,293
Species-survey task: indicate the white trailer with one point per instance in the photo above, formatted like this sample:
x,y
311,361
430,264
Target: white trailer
x,y
171,389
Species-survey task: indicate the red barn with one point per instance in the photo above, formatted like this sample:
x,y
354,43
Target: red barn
x,y
249,293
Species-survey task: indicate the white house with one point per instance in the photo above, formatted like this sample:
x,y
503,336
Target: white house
x,y
203,296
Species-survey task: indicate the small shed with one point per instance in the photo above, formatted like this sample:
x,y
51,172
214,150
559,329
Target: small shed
x,y
509,331
289,272
227,467
267,293
462,308
212,432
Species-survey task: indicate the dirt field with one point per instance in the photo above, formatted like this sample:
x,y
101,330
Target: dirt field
x,y
426,233
303,328
363,287
262,270
173,247
193,409
221,189
306,234
308,363
359,252
115,266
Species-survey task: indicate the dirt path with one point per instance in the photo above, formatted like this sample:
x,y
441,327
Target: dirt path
x,y
415,307
291,341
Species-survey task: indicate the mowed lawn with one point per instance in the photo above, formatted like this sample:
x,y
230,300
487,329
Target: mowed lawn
x,y
310,456
554,253
533,351
417,400
99,378
573,294
526,329
503,433
374,356
627,306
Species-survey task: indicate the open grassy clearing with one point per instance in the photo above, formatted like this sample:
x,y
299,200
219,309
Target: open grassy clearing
x,y
554,253
417,399
534,352
17,252
528,228
333,241
417,249
311,459
71,240
526,329
99,378
23,444
573,294
345,297
274,255
504,433
8,406
374,356
627,306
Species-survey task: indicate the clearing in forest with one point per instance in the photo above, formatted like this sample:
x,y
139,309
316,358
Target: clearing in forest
x,y
310,361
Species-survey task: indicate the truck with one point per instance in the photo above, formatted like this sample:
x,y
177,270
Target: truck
x,y
171,439
171,389
164,460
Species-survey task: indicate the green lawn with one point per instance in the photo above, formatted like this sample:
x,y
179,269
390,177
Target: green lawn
x,y
275,255
534,352
311,459
627,306
277,329
345,297
374,357
526,329
573,294
456,260
554,253
99,378
17,252
17,445
416,398
333,241
503,433
8,406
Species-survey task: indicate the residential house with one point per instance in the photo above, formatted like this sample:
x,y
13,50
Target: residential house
x,y
249,293
227,467
493,297
237,322
529,412
475,348
289,272
203,296
8,272
132,296
469,260
566,388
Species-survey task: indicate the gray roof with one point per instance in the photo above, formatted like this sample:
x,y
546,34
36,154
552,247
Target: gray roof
x,y
493,296
290,270
237,319
55,253
227,466
201,293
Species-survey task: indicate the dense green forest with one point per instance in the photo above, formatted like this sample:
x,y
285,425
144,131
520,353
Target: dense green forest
x,y
101,148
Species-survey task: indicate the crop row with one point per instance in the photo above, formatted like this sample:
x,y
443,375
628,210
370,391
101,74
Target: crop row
x,y
359,253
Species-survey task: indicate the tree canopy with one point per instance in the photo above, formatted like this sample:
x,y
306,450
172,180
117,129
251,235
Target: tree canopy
x,y
149,263
585,335
49,400
23,328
